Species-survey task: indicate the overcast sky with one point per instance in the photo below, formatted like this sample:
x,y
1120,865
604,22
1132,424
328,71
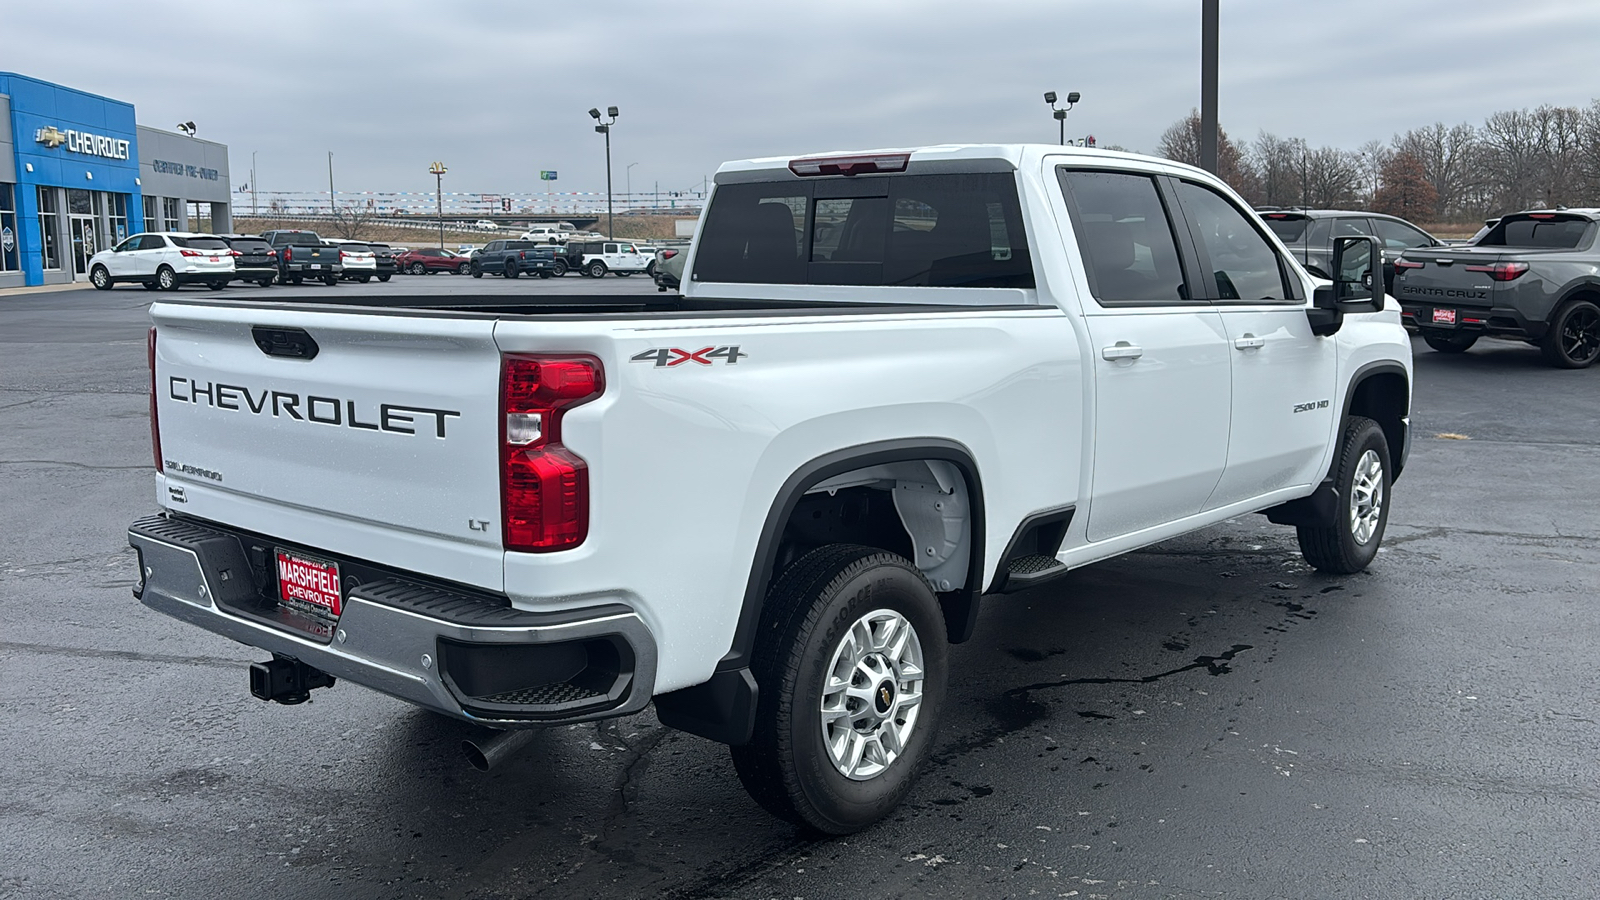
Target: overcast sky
x,y
500,90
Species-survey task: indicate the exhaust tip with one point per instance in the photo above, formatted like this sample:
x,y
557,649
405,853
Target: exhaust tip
x,y
475,755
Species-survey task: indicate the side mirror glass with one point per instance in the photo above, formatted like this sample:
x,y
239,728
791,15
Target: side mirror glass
x,y
1356,287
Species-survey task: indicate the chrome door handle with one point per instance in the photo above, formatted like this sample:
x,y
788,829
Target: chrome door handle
x,y
1248,341
1121,350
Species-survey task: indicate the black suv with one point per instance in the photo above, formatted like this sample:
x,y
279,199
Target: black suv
x,y
384,255
513,258
256,262
1309,235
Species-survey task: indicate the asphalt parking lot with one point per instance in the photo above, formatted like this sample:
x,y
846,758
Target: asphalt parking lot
x,y
1204,718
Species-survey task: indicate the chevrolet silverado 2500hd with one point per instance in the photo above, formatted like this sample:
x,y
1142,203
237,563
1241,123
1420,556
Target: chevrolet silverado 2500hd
x,y
894,382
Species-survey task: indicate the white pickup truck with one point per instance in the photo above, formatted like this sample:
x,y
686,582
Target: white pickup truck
x,y
895,382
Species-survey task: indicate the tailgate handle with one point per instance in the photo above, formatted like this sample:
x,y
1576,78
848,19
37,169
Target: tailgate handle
x,y
292,343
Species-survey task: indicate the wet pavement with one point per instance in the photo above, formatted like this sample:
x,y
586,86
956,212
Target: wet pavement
x,y
1204,718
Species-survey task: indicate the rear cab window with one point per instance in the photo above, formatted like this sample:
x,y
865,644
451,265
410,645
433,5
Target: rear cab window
x,y
926,230
1547,231
1289,227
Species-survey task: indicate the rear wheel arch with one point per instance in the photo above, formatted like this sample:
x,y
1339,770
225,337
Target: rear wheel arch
x,y
723,707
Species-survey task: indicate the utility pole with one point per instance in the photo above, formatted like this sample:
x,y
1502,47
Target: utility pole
x,y
333,207
627,197
437,170
1208,84
253,187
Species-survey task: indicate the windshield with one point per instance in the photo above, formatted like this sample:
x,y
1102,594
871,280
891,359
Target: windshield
x,y
1289,229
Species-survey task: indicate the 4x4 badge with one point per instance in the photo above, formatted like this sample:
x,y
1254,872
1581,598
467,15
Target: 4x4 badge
x,y
667,357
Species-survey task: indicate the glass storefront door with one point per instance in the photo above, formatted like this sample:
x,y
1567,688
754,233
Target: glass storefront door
x,y
81,232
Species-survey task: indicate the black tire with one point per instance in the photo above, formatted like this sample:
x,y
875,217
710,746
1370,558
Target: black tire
x,y
1336,548
544,273
384,278
477,270
100,278
365,279
149,285
811,607
297,280
560,268
418,269
1450,343
511,270
623,274
166,279
651,269
265,282
597,269
330,280
1573,341
216,285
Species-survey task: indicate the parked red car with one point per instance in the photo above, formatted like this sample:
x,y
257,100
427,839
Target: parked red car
x,y
428,260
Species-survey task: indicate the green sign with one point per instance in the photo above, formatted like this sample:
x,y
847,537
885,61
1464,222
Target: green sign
x,y
547,175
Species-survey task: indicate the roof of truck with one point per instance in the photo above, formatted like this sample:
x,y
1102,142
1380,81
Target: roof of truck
x,y
1009,156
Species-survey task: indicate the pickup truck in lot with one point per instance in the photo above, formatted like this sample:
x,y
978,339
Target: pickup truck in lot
x,y
1531,275
895,382
513,259
304,255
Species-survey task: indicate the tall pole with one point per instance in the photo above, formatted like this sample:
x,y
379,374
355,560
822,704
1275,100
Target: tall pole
x,y
253,187
333,209
611,225
437,170
628,181
1208,84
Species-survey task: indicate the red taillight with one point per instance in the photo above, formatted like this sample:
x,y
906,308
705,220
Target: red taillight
x,y
668,254
544,487
191,253
272,254
155,429
234,253
1502,271
288,254
850,165
1407,264
343,255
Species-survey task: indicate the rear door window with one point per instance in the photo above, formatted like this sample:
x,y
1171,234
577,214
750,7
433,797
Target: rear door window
x,y
1350,226
1129,250
754,233
1243,265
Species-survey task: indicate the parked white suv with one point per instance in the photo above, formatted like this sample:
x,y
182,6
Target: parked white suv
x,y
360,263
164,261
895,382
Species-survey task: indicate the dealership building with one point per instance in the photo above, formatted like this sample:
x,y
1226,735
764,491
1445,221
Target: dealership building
x,y
78,175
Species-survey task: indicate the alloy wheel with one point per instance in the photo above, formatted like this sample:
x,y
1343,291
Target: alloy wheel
x,y
872,694
1366,497
1580,335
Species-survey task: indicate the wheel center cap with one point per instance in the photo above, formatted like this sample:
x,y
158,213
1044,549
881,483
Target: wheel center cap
x,y
883,697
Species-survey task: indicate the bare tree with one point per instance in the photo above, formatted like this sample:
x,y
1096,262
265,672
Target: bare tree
x,y
1332,177
1276,162
1181,141
1372,155
1450,161
351,220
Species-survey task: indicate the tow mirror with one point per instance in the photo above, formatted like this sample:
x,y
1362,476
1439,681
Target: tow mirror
x,y
1355,288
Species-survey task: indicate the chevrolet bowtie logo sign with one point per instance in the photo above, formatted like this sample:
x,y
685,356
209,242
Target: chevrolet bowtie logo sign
x,y
83,142
50,137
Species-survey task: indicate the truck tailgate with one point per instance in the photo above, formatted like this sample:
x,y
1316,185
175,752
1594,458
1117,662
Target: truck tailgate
x,y
382,445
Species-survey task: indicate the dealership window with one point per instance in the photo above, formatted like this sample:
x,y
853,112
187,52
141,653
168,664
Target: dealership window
x,y
50,228
117,216
172,212
8,228
152,213
199,216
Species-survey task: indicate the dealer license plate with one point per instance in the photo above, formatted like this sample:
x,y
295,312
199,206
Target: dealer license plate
x,y
1444,316
216,259
309,584
316,265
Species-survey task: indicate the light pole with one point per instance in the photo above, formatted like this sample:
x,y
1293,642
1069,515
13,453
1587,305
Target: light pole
x,y
437,170
605,129
1061,114
627,175
333,206
253,187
